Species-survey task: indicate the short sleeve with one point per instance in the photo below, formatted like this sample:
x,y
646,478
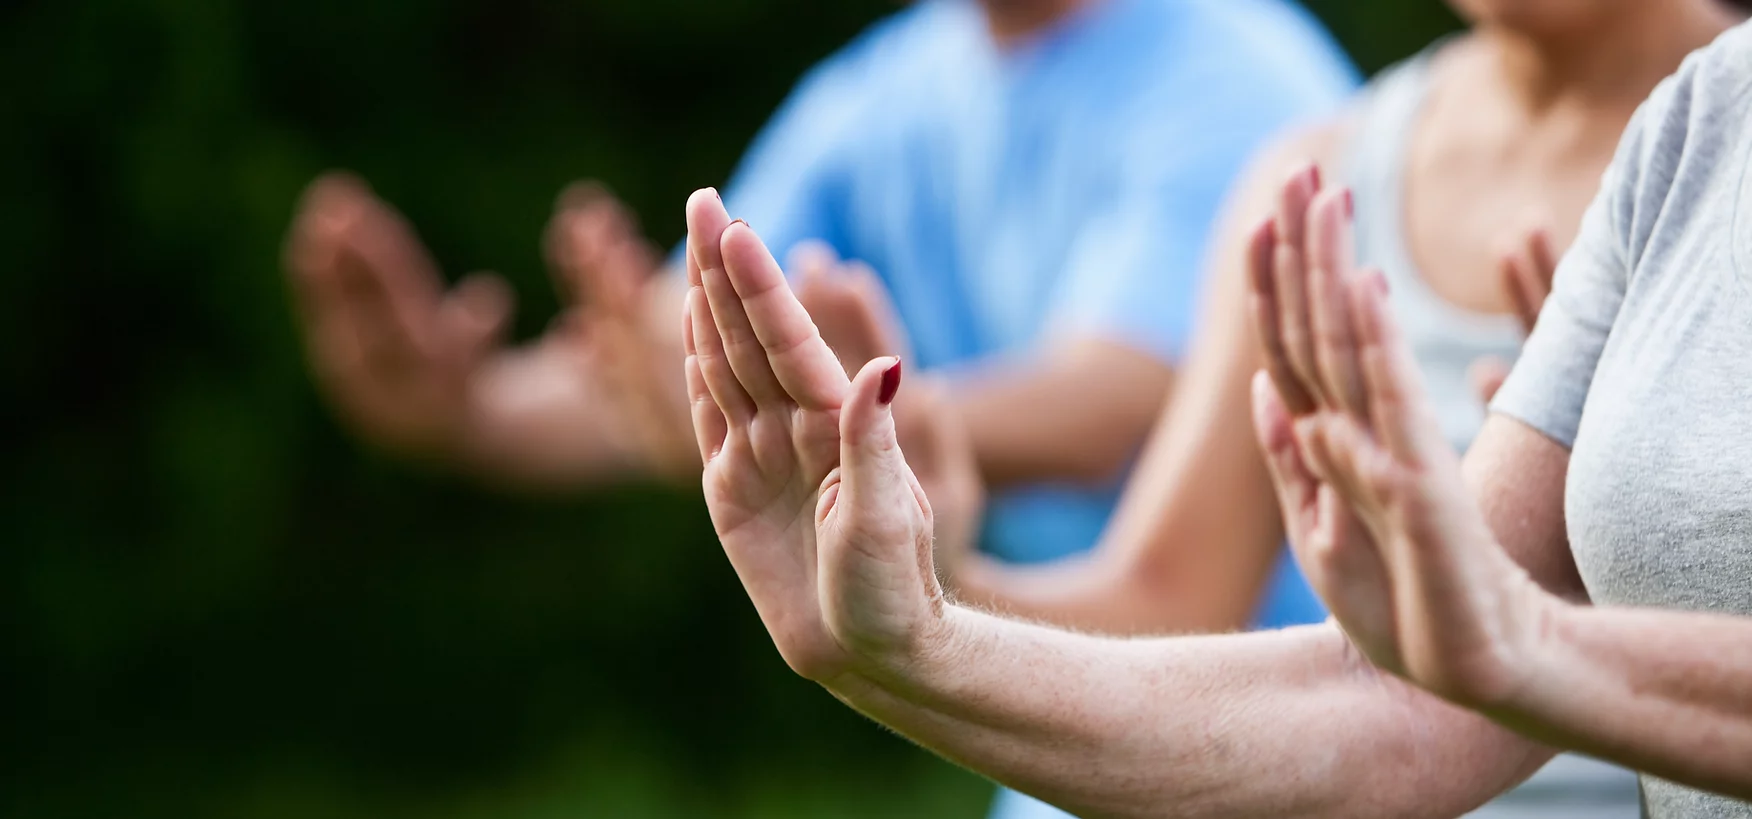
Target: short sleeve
x,y
1549,385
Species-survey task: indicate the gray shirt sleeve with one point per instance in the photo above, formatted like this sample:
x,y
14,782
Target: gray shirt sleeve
x,y
1550,382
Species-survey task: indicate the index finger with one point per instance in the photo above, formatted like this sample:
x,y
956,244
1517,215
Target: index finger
x,y
805,367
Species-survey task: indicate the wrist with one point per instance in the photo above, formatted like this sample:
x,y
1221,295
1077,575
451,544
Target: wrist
x,y
1519,664
934,648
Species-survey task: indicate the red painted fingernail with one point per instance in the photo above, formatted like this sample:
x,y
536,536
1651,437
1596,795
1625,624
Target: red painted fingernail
x,y
890,384
1350,204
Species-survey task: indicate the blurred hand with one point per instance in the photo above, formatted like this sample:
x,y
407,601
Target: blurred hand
x,y
823,520
604,267
857,320
1526,274
424,373
396,353
1372,495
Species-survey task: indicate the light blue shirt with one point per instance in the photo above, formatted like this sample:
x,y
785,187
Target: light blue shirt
x,y
1068,184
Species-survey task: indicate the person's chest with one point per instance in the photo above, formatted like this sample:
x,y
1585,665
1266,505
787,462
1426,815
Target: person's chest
x,y
1659,498
972,207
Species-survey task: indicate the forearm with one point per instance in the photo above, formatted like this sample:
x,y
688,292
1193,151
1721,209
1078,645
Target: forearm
x,y
1665,692
1273,724
1078,413
1103,592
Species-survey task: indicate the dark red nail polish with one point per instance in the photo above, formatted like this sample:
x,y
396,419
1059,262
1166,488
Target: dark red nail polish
x,y
1350,204
890,384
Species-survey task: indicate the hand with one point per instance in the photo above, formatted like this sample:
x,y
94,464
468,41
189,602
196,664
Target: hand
x,y
1526,274
396,354
605,269
1372,494
817,509
857,320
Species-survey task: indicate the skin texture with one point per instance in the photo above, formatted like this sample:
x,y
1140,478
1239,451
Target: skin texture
x,y
1456,579
1523,116
826,525
1381,517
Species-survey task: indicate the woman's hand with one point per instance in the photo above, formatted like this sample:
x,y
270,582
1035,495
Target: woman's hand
x,y
817,509
1372,493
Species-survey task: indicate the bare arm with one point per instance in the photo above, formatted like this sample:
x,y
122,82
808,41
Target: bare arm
x,y
830,536
1074,410
1197,531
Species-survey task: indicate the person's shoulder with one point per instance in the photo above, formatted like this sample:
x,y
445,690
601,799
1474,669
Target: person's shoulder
x,y
1697,114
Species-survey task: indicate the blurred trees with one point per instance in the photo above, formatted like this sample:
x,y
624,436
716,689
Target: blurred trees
x,y
215,604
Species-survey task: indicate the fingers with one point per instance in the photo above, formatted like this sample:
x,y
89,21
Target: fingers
x,y
709,423
792,346
1262,291
877,486
707,222
596,252
1291,277
475,314
1397,404
1527,275
707,357
1295,484
851,308
1330,261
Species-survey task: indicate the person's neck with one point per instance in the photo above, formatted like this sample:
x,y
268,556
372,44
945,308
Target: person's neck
x,y
1609,65
1013,20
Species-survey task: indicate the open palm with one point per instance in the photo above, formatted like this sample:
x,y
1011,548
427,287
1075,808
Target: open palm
x,y
816,508
1372,493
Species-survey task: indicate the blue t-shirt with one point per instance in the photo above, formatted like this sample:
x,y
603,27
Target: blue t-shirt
x,y
1063,185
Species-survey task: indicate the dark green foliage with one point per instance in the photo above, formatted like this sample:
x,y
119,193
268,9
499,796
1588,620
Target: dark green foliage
x,y
214,604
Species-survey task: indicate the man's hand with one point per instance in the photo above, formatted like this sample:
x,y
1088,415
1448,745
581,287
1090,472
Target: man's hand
x,y
1371,491
1526,275
816,507
397,355
606,270
424,373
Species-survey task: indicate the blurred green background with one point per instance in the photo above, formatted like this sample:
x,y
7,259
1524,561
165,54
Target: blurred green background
x,y
213,603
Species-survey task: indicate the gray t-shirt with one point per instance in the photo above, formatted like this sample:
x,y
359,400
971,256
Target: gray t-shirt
x,y
1641,364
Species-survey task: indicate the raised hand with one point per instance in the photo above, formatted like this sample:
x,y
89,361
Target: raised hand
x,y
396,353
1371,491
605,268
817,509
1526,274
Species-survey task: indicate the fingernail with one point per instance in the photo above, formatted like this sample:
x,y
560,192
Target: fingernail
x,y
890,384
1350,204
715,194
738,222
1314,175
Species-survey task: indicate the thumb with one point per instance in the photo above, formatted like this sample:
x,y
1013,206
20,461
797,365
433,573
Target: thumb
x,y
476,313
877,486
